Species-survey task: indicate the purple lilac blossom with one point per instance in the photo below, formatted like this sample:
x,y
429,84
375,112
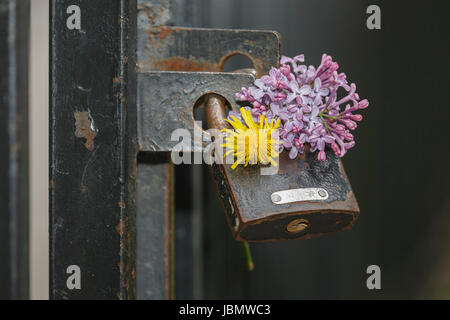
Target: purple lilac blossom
x,y
306,100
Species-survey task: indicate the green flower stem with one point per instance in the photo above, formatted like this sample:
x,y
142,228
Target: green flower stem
x,y
324,114
248,256
324,122
328,116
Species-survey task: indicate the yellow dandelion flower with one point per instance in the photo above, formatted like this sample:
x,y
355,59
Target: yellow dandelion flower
x,y
250,142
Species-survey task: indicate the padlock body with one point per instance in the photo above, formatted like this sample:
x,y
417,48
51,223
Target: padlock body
x,y
254,216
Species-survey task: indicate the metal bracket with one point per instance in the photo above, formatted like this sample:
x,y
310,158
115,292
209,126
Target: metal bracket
x,y
198,49
194,51
166,101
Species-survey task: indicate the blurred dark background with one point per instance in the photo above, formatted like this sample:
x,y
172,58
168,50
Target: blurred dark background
x,y
398,169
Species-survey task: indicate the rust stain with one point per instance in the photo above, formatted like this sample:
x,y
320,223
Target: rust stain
x,y
121,230
125,283
84,128
51,184
152,38
181,64
121,227
162,32
121,205
259,66
116,80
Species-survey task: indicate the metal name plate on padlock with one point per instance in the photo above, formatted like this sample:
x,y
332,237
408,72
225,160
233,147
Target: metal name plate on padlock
x,y
306,198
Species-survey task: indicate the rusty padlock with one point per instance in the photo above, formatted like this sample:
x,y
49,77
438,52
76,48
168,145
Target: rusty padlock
x,y
306,198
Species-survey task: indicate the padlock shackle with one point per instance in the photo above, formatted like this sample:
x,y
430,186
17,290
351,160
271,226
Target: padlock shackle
x,y
215,106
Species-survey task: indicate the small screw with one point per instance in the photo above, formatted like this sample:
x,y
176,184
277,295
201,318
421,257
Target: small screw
x,y
322,193
275,198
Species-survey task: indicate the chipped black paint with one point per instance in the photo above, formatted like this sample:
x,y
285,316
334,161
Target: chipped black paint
x,y
91,214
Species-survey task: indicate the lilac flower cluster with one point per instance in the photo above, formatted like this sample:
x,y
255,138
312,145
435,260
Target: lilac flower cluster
x,y
306,100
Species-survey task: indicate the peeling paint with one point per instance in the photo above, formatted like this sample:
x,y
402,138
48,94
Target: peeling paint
x,y
121,227
160,32
116,80
84,128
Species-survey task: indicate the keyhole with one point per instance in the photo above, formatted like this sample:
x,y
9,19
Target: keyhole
x,y
297,225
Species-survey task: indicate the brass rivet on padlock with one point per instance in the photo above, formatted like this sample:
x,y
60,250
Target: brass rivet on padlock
x,y
275,198
297,225
322,193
